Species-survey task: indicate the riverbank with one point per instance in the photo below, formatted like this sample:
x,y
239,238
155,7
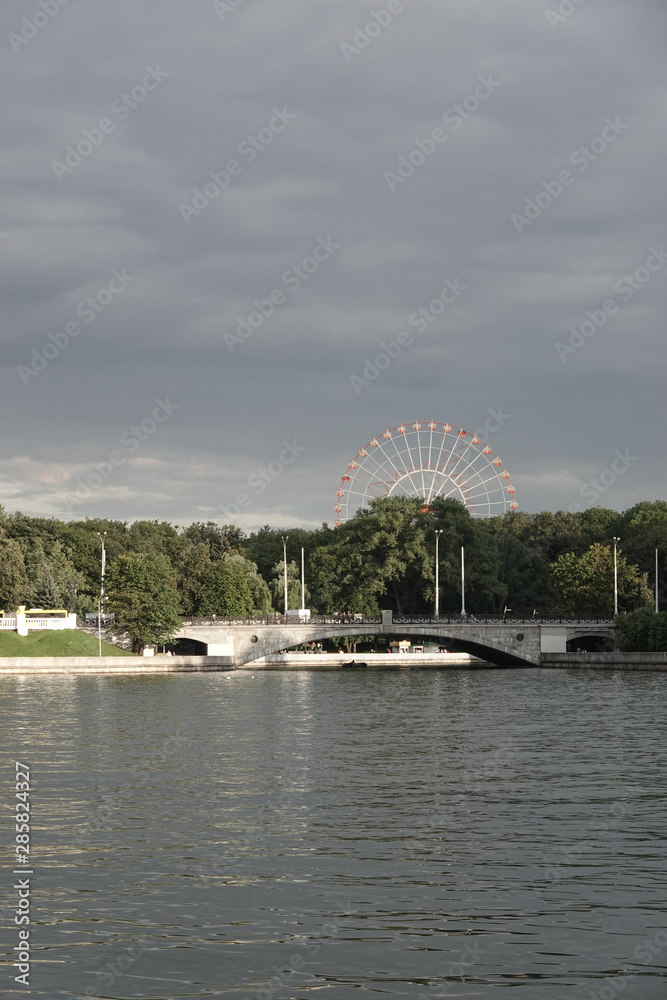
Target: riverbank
x,y
604,661
130,664
46,643
24,665
375,661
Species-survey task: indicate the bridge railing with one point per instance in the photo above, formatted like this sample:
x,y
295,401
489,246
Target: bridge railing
x,y
352,618
499,619
343,618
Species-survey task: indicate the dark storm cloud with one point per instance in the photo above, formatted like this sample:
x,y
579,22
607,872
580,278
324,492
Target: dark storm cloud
x,y
412,150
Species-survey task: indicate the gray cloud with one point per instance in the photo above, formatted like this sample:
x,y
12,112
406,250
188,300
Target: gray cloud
x,y
323,176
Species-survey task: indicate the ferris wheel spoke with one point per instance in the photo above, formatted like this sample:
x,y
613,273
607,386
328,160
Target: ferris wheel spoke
x,y
442,445
485,467
417,489
462,455
389,458
411,463
452,449
475,460
424,461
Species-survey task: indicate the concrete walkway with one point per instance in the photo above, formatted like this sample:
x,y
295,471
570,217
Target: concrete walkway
x,y
110,664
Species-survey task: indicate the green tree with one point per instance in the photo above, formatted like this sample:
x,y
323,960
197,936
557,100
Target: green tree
x,y
265,547
485,591
141,593
643,530
523,566
221,540
227,591
14,584
194,570
324,579
631,630
293,586
46,593
585,584
259,589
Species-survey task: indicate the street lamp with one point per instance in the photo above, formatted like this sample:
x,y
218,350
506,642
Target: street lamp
x,y
616,541
285,537
102,535
463,581
437,573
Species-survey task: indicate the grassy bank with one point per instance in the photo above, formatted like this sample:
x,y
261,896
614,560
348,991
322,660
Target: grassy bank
x,y
68,642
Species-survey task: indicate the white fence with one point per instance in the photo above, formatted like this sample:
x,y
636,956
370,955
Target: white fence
x,y
23,623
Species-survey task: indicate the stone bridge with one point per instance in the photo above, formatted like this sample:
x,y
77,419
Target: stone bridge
x,y
499,639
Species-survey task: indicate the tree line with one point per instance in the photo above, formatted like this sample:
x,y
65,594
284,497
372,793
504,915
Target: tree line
x,y
382,558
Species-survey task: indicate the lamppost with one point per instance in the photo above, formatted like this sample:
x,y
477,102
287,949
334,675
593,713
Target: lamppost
x,y
102,535
285,537
616,541
437,573
463,581
656,582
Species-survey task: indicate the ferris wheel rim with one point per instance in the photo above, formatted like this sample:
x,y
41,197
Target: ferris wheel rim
x,y
368,477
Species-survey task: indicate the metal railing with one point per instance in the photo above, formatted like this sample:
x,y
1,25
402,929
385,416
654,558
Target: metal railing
x,y
499,619
276,619
352,618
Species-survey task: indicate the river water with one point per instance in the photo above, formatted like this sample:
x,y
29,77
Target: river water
x,y
292,835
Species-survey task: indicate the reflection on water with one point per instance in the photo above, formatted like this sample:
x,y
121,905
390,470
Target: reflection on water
x,y
409,834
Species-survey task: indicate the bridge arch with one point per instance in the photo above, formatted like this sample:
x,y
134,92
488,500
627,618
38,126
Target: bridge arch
x,y
498,651
590,642
484,651
494,638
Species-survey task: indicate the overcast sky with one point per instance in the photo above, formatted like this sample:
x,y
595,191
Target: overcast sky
x,y
114,113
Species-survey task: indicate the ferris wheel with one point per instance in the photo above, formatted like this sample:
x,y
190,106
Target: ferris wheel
x,y
427,460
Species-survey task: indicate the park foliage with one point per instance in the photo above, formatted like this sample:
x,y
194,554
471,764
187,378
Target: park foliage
x,y
382,558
